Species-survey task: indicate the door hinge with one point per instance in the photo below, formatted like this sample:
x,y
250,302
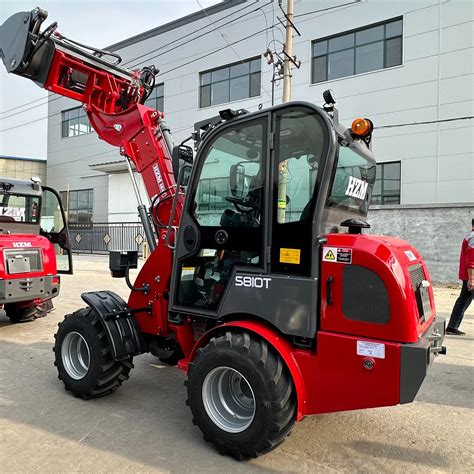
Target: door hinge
x,y
269,255
272,140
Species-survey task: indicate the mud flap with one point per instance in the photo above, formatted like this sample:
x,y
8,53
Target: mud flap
x,y
121,326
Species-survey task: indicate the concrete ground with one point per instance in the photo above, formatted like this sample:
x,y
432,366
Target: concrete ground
x,y
146,427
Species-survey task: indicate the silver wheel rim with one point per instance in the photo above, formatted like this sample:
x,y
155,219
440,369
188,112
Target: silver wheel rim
x,y
75,355
228,399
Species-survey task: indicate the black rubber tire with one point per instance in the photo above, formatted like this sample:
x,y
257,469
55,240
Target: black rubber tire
x,y
267,374
25,314
105,374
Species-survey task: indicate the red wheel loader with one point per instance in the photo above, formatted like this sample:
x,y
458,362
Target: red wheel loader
x,y
265,290
35,248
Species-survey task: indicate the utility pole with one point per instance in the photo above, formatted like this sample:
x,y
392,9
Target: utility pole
x,y
288,51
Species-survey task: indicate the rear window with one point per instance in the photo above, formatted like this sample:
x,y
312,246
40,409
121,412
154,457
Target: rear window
x,y
19,208
353,182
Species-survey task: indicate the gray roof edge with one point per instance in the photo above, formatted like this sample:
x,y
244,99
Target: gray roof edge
x,y
22,158
175,24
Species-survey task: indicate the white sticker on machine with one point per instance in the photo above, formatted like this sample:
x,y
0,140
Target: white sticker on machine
x,y
410,255
356,188
371,349
337,254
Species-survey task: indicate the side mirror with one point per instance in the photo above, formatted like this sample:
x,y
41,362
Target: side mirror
x,y
184,153
237,180
120,261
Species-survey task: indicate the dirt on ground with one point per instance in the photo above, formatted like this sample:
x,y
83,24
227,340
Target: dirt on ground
x,y
145,426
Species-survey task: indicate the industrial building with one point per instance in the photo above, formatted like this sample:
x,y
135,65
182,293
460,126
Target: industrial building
x,y
408,66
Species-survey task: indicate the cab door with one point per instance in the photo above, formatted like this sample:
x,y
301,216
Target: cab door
x,y
222,225
54,228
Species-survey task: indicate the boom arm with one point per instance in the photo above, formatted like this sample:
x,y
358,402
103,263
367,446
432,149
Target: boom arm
x,y
111,95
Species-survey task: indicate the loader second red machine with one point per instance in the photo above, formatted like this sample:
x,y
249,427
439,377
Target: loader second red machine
x,y
266,292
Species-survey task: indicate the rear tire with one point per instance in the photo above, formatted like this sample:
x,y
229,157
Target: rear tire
x,y
25,314
241,395
84,359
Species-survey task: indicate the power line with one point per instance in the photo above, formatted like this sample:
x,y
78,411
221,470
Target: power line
x,y
328,8
427,122
147,53
193,32
166,72
233,49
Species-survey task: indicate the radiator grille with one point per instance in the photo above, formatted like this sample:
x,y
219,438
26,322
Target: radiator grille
x,y
417,275
23,261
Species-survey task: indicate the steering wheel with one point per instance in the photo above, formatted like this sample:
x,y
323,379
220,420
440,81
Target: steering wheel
x,y
237,202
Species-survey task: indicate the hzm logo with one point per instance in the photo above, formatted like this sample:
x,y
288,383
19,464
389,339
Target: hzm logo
x,y
356,188
21,244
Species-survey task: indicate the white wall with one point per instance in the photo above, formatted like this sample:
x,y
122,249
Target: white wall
x,y
434,82
121,197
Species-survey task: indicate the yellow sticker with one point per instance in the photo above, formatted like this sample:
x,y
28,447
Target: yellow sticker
x,y
290,256
187,270
281,204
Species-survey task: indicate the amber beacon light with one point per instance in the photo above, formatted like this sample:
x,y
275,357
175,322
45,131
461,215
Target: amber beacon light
x,y
362,127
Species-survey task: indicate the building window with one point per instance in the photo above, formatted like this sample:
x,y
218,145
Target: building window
x,y
387,184
367,49
78,205
157,98
74,122
212,193
233,82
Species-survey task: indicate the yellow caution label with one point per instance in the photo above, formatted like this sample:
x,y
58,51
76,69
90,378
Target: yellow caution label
x,y
329,255
187,270
290,256
281,204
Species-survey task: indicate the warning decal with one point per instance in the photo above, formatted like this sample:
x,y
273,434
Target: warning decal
x,y
334,254
329,254
290,256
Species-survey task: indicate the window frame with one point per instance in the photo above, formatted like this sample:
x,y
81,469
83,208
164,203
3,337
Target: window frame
x,y
354,47
66,201
228,66
66,126
381,195
157,97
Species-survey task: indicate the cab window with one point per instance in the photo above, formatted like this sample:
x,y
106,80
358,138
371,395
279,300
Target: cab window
x,y
353,182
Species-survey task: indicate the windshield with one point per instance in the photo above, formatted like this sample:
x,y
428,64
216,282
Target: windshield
x,y
19,208
353,182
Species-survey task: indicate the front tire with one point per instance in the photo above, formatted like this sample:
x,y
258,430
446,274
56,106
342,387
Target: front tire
x,y
241,395
84,359
25,314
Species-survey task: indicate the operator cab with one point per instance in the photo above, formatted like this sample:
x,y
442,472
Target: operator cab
x,y
265,188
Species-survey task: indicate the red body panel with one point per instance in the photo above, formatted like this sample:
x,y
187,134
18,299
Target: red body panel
x,y
37,241
387,258
331,378
336,379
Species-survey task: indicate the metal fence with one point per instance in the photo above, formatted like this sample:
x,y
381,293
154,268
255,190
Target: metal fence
x,y
100,238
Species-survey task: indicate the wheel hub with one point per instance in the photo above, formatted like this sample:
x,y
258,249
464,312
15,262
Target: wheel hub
x,y
228,399
75,355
